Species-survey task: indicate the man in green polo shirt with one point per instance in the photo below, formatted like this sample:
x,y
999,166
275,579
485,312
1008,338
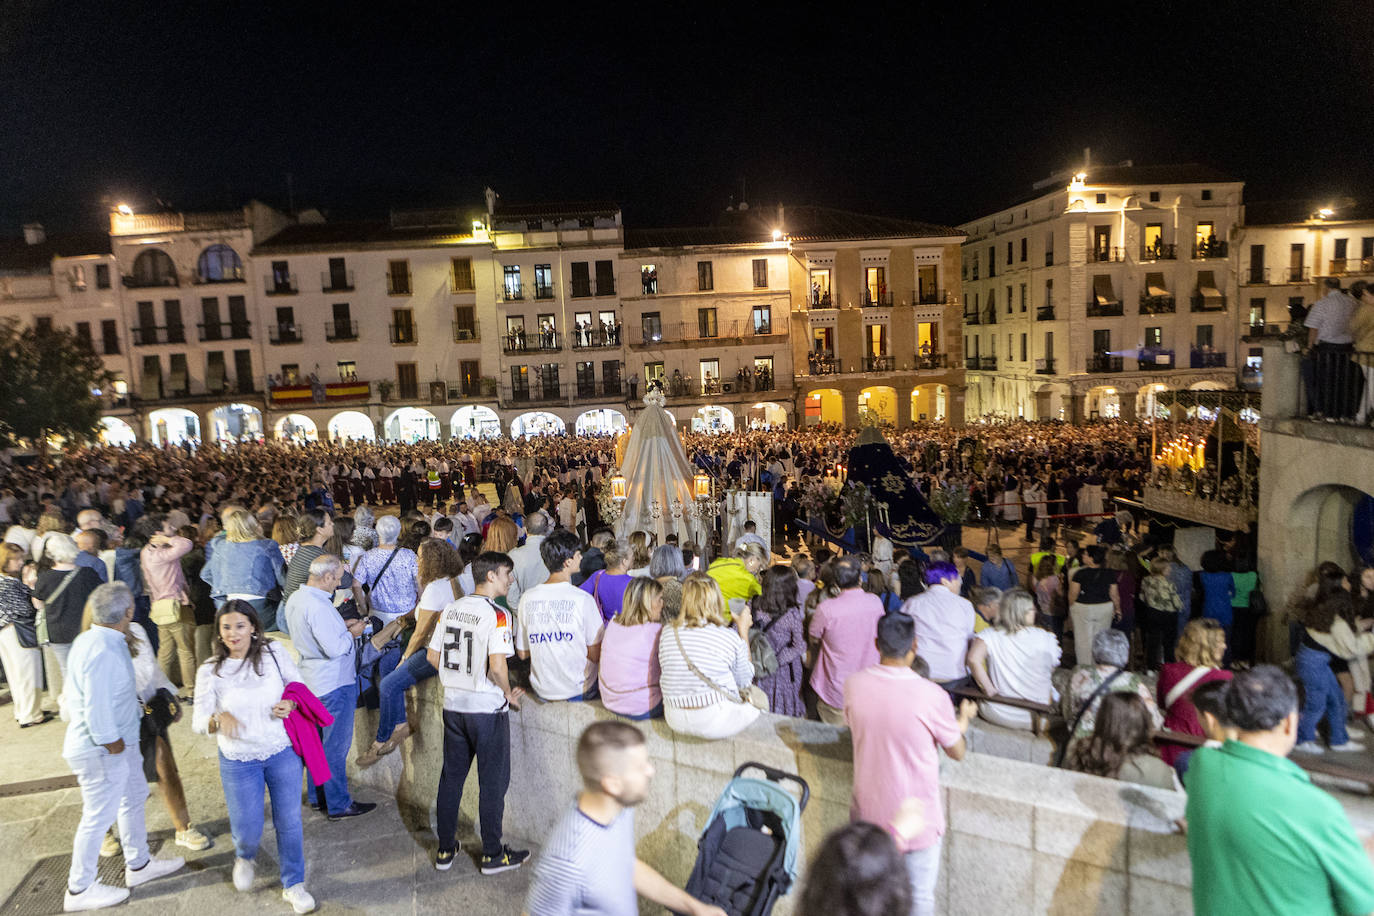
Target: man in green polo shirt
x,y
1261,837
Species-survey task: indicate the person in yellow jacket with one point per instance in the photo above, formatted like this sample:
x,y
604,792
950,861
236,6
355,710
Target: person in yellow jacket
x,y
737,576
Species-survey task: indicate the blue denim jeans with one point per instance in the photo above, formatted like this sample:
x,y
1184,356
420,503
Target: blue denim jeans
x,y
1322,697
338,738
243,784
392,693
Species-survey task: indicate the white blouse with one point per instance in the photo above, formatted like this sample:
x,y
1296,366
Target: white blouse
x,y
248,696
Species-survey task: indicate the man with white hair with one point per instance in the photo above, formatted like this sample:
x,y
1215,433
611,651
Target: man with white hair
x,y
529,564
101,747
87,519
325,643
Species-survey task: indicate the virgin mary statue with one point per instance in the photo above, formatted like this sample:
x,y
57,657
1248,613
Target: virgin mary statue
x,y
656,474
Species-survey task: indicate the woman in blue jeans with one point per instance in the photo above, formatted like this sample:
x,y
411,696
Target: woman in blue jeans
x,y
239,699
1322,695
439,566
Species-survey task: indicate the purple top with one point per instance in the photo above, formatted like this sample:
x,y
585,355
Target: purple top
x,y
629,670
608,590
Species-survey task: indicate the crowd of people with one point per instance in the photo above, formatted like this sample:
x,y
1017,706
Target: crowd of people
x,y
267,588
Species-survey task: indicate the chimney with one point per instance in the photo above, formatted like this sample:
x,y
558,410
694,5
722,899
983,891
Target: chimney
x,y
34,234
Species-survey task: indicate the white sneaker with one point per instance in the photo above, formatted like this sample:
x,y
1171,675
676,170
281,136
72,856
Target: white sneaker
x,y
299,898
152,870
244,870
1310,747
96,897
1348,746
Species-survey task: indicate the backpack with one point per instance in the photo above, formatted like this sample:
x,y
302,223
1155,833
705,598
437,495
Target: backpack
x,y
761,652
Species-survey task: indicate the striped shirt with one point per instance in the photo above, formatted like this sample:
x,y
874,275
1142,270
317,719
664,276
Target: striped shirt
x,y
717,652
586,869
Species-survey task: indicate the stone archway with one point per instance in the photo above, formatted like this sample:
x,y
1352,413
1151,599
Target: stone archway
x,y
1103,403
824,405
767,415
1147,402
713,419
115,432
296,427
474,422
173,426
929,403
350,424
601,421
878,404
537,423
235,423
411,424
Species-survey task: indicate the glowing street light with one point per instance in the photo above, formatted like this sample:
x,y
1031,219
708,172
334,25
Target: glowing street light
x,y
777,235
125,210
1326,213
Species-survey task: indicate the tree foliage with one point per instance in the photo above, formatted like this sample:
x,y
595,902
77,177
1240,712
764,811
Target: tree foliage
x,y
46,384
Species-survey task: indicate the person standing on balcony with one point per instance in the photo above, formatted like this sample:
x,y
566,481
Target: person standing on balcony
x,y
1362,329
1331,378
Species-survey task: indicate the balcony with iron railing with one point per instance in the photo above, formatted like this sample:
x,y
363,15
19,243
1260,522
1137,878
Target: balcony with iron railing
x,y
823,364
1106,255
537,392
151,282
980,363
336,282
284,334
924,362
591,388
1155,358
990,315
1158,252
532,341
167,334
341,330
587,338
687,332
881,299
879,364
1211,247
467,331
226,275
1105,309
398,284
280,285
512,293
972,318
402,334
1044,313
820,300
472,387
929,297
225,330
1206,359
584,290
1201,303
1105,363
1277,276
1157,305
1347,267
1044,367
543,290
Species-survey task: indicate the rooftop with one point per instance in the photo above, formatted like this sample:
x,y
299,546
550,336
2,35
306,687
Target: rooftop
x,y
353,235
1125,174
557,211
800,224
17,255
1290,212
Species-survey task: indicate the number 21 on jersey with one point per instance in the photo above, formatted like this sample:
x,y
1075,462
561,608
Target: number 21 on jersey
x,y
458,650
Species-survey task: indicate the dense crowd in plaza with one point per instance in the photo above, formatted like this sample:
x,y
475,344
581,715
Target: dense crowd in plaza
x,y
274,589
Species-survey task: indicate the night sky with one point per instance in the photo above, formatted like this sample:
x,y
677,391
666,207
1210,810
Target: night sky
x,y
942,113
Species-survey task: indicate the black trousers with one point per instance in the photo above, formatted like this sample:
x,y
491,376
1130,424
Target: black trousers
x,y
485,736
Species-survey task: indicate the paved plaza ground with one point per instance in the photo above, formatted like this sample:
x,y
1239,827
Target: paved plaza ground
x,y
378,864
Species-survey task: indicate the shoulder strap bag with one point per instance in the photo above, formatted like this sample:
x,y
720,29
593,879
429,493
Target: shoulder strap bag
x,y
691,666
1083,710
42,621
367,589
1182,687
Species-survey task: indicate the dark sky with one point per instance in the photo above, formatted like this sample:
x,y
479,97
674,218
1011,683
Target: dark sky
x,y
940,113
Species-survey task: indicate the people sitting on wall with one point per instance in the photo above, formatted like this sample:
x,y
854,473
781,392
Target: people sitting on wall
x,y
706,673
1014,658
1120,745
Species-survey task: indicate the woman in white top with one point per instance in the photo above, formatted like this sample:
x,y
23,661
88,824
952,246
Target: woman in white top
x,y
704,665
239,699
1014,658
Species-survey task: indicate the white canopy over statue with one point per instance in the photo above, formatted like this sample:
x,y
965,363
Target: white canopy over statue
x,y
655,469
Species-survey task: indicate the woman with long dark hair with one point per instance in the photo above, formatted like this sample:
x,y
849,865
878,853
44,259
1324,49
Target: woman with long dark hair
x,y
239,699
1120,746
778,615
858,871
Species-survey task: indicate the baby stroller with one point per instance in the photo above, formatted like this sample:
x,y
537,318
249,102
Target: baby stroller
x,y
747,857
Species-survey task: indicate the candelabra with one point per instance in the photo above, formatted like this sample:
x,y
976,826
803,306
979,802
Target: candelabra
x,y
655,509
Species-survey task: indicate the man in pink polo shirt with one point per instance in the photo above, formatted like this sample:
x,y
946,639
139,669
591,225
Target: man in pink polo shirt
x,y
842,628
897,718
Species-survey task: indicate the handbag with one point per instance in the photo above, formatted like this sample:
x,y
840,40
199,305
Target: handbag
x,y
158,714
1259,605
738,697
1083,710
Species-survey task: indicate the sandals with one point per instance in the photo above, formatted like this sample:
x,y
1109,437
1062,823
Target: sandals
x,y
380,749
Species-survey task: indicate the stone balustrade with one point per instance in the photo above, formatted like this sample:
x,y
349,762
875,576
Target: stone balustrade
x,y
1023,838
